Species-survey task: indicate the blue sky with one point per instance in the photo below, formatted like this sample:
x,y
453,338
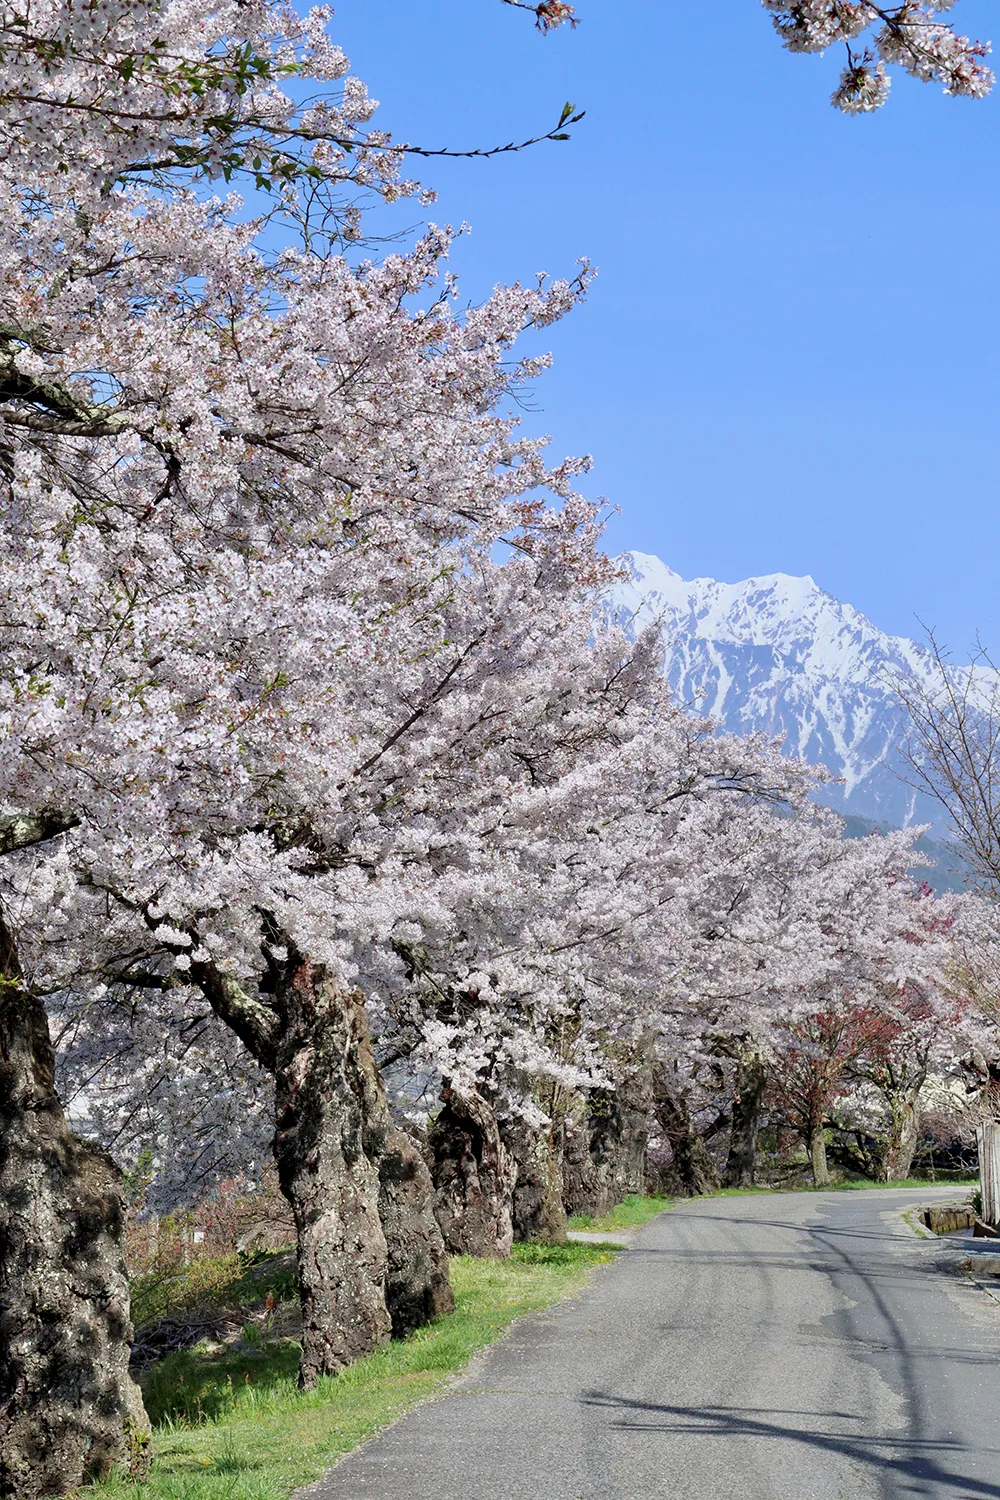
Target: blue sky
x,y
789,359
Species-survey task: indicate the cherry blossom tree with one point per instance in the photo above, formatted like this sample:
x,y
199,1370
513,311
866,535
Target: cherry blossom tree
x,y
811,1071
874,1037
808,915
335,503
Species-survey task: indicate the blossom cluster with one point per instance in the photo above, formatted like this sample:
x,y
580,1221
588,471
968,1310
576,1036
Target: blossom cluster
x,y
910,35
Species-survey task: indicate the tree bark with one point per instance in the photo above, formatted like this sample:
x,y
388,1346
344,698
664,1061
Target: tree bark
x,y
630,1114
584,1189
903,1136
417,1287
741,1162
325,1076
694,1168
371,1259
474,1177
604,1155
538,1210
817,1152
69,1411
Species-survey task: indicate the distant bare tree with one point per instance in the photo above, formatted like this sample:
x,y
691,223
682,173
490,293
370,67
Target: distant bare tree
x,y
953,750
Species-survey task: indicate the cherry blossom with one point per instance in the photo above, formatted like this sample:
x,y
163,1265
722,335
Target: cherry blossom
x,y
909,35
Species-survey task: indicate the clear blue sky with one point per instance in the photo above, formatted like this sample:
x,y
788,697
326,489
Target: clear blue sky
x,y
789,359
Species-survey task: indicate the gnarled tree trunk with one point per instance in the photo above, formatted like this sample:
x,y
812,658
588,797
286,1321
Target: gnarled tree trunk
x,y
751,1079
325,1078
538,1211
693,1167
604,1154
474,1177
583,1187
417,1288
629,1140
69,1411
370,1255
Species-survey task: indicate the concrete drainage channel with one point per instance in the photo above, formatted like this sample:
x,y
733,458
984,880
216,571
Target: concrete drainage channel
x,y
953,1218
957,1227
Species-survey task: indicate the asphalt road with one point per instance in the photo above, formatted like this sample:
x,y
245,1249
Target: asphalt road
x,y
782,1347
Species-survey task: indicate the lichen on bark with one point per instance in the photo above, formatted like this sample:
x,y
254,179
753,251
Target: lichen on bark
x,y
69,1411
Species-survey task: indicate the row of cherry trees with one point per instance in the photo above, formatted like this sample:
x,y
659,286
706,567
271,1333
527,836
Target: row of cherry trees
x,y
319,752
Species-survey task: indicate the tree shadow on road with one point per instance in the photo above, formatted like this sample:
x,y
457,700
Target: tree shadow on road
x,y
898,1458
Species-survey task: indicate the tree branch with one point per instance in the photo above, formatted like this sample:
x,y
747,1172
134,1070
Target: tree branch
x,y
24,830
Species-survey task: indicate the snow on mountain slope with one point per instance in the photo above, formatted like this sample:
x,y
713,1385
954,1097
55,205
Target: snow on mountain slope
x,y
782,655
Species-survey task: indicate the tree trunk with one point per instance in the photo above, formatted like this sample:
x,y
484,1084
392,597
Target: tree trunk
x,y
628,1141
694,1169
583,1187
904,1134
741,1163
68,1410
417,1286
817,1152
370,1254
474,1177
604,1155
325,1079
538,1211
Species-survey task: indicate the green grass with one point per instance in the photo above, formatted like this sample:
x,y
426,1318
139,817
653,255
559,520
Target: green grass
x,y
631,1213
910,1182
235,1426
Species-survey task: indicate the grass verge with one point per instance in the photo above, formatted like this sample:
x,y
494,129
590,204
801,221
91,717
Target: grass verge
x,y
631,1213
235,1426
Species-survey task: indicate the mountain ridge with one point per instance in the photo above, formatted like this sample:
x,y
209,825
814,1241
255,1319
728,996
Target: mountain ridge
x,y
783,655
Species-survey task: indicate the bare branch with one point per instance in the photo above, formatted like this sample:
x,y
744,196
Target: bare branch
x,y
953,750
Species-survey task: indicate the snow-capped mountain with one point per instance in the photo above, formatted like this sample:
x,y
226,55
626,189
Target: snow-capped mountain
x,y
782,655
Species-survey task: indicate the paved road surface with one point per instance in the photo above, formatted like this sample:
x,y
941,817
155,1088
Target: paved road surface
x,y
781,1347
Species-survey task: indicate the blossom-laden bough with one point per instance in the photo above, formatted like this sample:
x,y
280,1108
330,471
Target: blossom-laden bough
x,y
911,36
